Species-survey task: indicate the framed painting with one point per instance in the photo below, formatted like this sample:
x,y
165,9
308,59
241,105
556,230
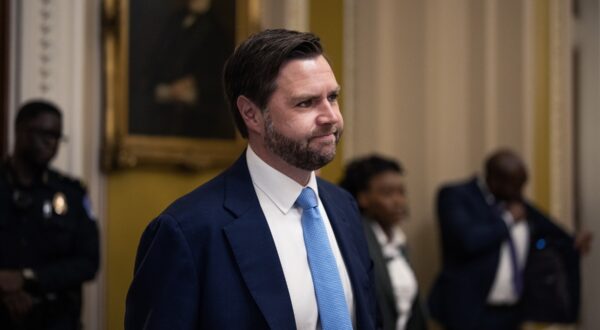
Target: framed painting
x,y
163,91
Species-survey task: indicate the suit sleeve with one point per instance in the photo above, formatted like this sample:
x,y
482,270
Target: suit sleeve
x,y
462,226
164,292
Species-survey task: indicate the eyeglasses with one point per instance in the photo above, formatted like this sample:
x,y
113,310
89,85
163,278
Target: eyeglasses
x,y
48,134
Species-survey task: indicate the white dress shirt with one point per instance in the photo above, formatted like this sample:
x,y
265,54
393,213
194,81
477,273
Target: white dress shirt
x,y
404,282
503,291
277,194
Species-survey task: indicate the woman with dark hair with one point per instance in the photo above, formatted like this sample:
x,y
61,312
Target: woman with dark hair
x,y
377,183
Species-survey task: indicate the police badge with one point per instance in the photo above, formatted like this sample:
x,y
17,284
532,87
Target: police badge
x,y
59,203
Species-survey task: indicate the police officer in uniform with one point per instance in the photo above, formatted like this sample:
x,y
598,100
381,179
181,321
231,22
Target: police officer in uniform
x,y
48,239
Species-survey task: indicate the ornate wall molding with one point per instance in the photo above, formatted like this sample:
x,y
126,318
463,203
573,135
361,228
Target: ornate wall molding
x,y
47,31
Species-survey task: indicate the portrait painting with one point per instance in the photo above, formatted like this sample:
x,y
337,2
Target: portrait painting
x,y
164,93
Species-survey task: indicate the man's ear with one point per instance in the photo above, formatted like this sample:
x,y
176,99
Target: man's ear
x,y
250,113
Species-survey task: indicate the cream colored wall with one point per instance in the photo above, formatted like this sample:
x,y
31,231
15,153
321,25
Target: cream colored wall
x,y
439,84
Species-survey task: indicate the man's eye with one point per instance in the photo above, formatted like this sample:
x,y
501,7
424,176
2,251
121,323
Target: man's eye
x,y
305,104
332,98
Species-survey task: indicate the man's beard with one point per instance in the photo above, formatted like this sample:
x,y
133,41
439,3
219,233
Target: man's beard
x,y
297,152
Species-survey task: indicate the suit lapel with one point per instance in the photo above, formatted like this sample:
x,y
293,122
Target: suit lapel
x,y
254,249
382,276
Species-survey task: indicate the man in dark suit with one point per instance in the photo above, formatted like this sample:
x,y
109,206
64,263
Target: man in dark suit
x,y
237,253
377,183
492,240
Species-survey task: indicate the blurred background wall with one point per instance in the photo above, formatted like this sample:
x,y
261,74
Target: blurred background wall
x,y
435,83
439,84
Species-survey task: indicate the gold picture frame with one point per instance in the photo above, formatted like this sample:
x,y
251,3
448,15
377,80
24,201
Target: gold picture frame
x,y
173,133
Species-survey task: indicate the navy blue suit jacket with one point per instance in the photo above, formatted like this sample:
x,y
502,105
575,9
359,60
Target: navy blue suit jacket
x,y
209,261
472,234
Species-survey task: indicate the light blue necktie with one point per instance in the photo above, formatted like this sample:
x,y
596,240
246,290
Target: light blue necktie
x,y
333,310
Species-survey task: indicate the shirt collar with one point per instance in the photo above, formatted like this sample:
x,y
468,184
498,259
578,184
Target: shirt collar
x,y
278,187
398,236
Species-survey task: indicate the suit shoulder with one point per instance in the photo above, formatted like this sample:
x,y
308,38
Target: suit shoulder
x,y
333,189
202,208
326,185
534,209
457,186
536,214
203,196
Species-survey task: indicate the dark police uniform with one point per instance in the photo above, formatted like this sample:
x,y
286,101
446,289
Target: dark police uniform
x,y
47,232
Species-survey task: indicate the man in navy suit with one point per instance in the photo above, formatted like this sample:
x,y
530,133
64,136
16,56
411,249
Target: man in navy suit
x,y
231,254
501,254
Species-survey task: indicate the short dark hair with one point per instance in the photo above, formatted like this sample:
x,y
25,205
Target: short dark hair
x,y
32,109
502,164
254,65
360,171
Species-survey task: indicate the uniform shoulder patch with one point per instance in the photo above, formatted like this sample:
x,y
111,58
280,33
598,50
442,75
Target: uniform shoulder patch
x,y
87,206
